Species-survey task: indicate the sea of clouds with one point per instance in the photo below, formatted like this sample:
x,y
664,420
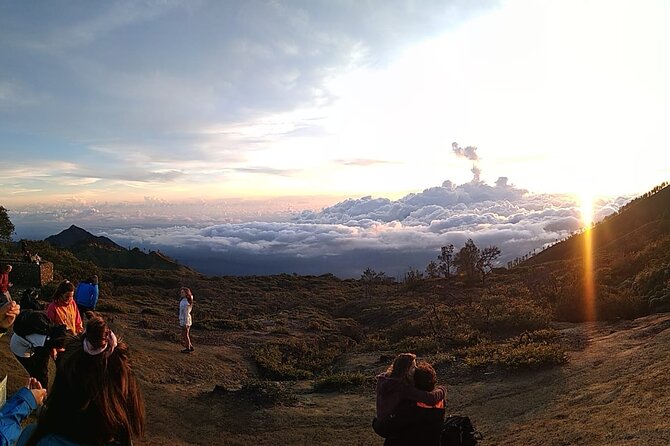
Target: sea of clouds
x,y
345,238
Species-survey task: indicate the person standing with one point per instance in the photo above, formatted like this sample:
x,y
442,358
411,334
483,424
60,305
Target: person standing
x,y
185,320
63,310
5,284
86,295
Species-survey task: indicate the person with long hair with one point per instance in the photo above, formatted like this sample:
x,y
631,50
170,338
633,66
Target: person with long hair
x,y
63,309
397,384
185,320
414,423
95,398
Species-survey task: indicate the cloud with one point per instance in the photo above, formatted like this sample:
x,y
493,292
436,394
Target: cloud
x,y
469,152
345,238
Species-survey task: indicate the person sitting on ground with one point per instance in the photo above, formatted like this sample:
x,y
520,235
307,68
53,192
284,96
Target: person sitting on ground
x,y
86,295
95,398
414,423
35,340
185,320
5,284
63,311
397,384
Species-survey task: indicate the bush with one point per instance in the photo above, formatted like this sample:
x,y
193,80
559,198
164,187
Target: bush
x,y
219,324
513,355
267,393
419,345
273,364
341,381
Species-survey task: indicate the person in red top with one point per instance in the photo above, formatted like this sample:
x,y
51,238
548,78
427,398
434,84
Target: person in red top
x,y
5,284
63,309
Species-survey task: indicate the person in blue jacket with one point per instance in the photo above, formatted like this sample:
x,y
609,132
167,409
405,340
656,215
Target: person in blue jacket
x,y
17,408
86,295
95,398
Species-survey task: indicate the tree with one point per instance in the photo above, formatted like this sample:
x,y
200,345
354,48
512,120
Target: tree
x,y
6,228
485,261
446,258
466,259
432,269
370,279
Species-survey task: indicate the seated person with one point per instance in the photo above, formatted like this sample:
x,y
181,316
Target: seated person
x,y
415,423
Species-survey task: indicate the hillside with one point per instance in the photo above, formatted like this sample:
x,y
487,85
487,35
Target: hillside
x,y
642,221
105,253
631,263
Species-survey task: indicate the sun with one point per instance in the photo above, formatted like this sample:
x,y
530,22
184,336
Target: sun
x,y
586,208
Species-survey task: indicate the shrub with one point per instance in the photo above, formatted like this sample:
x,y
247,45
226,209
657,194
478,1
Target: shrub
x,y
341,381
513,355
273,364
267,393
417,344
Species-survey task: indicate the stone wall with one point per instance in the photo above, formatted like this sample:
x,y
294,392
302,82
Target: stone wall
x,y
27,275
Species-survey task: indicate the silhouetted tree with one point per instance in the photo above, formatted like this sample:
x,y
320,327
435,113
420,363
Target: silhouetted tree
x,y
432,270
485,261
446,258
465,260
6,230
370,279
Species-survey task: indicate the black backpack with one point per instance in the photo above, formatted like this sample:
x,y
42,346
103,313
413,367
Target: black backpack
x,y
459,431
32,322
29,300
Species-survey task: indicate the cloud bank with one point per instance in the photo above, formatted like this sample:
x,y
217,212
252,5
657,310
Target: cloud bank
x,y
351,235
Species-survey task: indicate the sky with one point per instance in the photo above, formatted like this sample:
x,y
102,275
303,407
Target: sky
x,y
328,134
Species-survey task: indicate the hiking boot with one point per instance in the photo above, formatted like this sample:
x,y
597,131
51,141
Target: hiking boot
x,y
186,350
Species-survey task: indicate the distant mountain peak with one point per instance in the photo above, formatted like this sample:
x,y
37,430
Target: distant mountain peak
x,y
74,235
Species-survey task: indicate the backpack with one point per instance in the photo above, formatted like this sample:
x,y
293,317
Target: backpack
x,y
29,300
32,322
459,431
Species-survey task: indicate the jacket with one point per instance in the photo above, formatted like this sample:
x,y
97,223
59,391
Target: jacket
x,y
50,439
415,424
87,294
67,315
15,410
4,282
391,391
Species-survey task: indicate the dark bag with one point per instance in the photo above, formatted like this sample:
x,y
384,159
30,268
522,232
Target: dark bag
x,y
29,300
32,322
459,431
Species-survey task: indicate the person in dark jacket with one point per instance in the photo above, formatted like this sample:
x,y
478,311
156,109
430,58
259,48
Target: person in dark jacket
x,y
396,385
35,340
414,423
